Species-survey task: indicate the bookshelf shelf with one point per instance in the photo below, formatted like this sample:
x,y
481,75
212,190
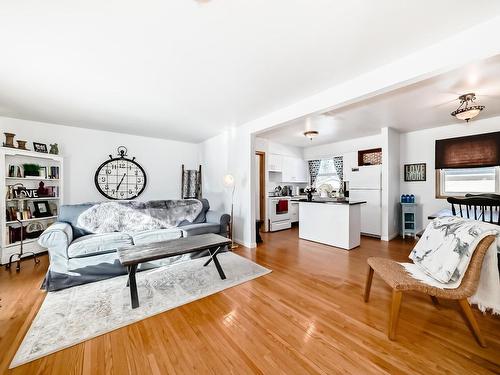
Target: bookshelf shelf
x,y
32,199
25,242
15,203
32,219
32,178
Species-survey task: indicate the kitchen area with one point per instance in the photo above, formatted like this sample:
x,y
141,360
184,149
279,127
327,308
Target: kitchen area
x,y
346,197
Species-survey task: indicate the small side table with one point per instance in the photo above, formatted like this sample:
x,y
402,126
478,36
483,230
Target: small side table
x,y
409,219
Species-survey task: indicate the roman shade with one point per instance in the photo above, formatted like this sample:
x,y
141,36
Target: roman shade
x,y
482,150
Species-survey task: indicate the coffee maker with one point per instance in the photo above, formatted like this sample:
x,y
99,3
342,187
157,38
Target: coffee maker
x,y
287,190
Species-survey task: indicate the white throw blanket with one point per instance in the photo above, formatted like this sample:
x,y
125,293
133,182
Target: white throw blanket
x,y
442,257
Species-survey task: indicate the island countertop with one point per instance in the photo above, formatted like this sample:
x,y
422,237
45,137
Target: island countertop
x,y
330,201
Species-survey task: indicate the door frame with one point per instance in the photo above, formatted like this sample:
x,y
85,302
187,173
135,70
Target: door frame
x,y
262,184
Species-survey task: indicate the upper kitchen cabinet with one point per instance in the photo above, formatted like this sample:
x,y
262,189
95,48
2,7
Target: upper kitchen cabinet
x,y
274,163
350,161
294,170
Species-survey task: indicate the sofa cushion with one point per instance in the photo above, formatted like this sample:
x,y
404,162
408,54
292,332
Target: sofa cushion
x,y
69,213
202,228
155,235
94,244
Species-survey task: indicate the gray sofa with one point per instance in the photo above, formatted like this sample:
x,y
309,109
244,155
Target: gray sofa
x,y
78,257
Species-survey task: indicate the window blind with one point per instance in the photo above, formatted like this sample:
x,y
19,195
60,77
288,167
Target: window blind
x,y
481,150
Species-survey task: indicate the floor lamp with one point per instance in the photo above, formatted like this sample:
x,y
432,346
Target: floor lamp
x,y
229,183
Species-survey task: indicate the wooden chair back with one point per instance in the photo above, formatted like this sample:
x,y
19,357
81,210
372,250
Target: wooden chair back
x,y
478,207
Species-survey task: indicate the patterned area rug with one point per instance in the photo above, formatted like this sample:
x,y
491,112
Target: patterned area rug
x,y
105,305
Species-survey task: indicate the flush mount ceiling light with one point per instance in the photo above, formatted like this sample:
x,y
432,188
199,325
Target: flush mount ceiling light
x,y
466,110
311,134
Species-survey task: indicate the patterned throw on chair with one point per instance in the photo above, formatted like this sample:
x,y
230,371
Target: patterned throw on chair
x,y
442,256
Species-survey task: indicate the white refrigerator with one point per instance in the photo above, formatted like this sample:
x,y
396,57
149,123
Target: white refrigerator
x,y
366,185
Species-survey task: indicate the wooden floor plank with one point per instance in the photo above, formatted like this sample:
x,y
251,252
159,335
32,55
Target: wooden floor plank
x,y
306,317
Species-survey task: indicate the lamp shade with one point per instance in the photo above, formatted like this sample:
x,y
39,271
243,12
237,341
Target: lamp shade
x,y
228,180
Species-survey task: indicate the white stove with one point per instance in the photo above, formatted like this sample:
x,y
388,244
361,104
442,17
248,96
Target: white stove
x,y
279,213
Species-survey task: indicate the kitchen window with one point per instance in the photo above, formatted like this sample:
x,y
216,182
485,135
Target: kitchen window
x,y
327,175
458,182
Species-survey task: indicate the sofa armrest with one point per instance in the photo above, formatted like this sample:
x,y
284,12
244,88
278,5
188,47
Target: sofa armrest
x,y
56,238
221,218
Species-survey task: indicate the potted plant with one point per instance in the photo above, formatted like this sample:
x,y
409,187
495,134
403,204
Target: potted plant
x,y
309,191
31,170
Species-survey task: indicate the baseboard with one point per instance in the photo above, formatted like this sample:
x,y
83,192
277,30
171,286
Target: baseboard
x,y
250,245
389,237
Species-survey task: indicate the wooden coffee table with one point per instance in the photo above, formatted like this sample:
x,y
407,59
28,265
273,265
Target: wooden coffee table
x,y
132,256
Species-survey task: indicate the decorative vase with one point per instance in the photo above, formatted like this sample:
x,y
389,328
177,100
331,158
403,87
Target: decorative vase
x,y
309,197
9,140
21,145
54,149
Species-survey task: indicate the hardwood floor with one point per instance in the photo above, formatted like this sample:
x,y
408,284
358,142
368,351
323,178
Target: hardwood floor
x,y
306,317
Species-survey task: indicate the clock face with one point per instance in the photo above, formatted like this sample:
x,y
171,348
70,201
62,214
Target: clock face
x,y
120,178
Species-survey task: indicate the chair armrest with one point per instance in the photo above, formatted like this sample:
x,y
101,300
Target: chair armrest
x,y
57,238
221,218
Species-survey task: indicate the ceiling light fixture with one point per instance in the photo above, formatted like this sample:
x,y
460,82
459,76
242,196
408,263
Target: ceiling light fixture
x,y
466,110
311,134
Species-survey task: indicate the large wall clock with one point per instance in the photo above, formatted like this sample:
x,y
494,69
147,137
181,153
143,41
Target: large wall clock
x,y
120,177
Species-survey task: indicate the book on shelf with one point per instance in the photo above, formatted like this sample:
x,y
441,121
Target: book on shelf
x,y
54,172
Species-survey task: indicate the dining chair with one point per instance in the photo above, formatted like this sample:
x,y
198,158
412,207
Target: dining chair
x,y
478,207
396,276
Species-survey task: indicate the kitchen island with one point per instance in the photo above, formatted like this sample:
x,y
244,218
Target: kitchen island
x,y
331,222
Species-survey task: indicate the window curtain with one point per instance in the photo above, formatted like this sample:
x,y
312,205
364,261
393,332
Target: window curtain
x,y
338,162
313,170
482,150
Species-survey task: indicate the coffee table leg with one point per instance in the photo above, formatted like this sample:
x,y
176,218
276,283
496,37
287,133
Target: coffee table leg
x,y
218,266
133,286
216,262
211,256
209,259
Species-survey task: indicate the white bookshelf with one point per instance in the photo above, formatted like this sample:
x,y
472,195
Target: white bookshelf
x,y
16,157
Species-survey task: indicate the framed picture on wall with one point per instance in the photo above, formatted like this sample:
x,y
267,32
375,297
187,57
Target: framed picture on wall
x,y
415,172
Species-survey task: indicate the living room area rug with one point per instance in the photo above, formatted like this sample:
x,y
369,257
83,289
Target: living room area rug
x,y
77,314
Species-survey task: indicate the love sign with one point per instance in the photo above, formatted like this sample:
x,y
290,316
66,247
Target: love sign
x,y
21,193
415,172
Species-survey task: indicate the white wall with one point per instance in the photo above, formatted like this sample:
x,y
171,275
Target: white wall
x,y
390,183
84,150
215,165
418,147
271,147
338,148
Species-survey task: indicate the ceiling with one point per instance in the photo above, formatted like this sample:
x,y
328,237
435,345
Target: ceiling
x,y
425,104
187,70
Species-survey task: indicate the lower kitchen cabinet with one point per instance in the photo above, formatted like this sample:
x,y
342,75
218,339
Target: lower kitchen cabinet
x,y
294,212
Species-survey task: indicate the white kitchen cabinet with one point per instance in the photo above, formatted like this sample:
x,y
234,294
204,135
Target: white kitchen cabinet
x,y
350,160
302,171
287,169
275,163
294,170
294,212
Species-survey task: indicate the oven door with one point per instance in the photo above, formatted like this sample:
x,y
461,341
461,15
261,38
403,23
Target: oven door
x,y
279,209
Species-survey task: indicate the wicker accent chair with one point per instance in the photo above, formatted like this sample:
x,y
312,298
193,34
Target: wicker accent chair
x,y
401,281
